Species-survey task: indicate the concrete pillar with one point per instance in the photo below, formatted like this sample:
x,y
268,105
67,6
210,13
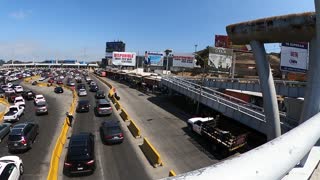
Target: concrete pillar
x,y
268,90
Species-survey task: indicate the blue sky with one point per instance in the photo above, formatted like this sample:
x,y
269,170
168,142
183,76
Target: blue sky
x,y
78,29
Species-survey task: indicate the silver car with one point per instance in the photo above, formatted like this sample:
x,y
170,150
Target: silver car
x,y
103,107
82,92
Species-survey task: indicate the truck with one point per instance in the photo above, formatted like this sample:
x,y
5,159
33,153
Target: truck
x,y
222,135
14,113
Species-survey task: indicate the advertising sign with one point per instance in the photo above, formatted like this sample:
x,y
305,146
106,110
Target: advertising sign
x,y
220,59
154,58
183,60
124,58
294,57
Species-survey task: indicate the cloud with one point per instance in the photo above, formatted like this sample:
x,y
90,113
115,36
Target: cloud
x,y
20,14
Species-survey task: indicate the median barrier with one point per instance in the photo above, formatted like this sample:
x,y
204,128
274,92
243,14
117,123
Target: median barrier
x,y
134,129
117,105
151,153
113,99
172,173
124,115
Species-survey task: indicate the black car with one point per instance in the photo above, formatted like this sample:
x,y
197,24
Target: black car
x,y
81,86
58,89
100,94
28,95
80,157
22,136
83,106
94,88
111,132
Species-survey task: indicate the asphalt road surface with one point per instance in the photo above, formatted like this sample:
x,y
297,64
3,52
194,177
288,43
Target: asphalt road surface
x,y
116,162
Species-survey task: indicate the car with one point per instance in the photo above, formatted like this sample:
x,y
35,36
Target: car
x,y
103,107
11,168
39,98
51,80
100,94
71,83
19,101
94,88
12,96
4,130
88,79
34,83
111,132
10,90
18,89
59,82
83,106
58,90
92,83
22,136
42,79
41,108
81,86
82,92
80,158
14,113
28,95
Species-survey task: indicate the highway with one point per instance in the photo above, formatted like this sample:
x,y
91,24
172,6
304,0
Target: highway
x,y
116,162
37,160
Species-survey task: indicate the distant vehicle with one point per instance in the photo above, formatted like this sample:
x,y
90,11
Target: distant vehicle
x,y
14,114
70,83
61,77
19,101
12,96
11,168
58,90
28,95
34,83
82,92
22,136
4,130
100,94
10,90
39,98
111,132
81,86
224,140
42,79
103,107
41,108
92,83
83,106
94,88
88,79
18,89
51,80
80,158
59,81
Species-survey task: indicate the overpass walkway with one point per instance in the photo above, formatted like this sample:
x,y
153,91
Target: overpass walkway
x,y
284,88
241,111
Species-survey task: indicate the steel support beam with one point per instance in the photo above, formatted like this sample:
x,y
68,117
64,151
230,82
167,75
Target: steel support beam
x,y
268,90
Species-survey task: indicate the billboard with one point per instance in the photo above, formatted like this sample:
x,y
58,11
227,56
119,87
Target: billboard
x,y
294,57
124,58
225,42
220,59
154,58
183,60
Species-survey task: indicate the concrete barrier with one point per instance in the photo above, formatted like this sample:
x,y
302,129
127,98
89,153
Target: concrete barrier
x,y
172,173
124,115
117,105
151,153
134,129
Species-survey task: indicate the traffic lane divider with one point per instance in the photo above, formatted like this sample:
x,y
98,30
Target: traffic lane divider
x,y
117,105
134,129
172,173
124,115
151,153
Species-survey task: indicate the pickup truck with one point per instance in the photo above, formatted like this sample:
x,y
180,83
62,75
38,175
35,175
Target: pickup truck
x,y
14,113
223,136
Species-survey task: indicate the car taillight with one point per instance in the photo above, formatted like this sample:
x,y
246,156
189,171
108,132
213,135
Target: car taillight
x,y
23,140
90,162
121,135
67,164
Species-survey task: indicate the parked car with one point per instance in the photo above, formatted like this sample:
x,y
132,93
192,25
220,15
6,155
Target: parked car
x,y
80,158
4,130
18,89
39,98
41,108
111,132
11,168
100,94
22,136
14,113
19,101
94,88
83,106
82,92
28,95
58,90
103,107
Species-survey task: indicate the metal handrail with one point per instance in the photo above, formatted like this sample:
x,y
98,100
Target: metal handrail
x,y
272,160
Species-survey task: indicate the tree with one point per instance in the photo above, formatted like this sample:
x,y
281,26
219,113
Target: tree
x,y
202,57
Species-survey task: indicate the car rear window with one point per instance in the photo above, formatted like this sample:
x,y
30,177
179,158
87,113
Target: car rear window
x,y
14,137
114,130
104,105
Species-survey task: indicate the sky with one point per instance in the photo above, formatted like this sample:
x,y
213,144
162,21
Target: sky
x,y
79,29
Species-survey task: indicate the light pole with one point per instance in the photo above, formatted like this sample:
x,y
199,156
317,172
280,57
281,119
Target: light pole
x,y
167,51
201,84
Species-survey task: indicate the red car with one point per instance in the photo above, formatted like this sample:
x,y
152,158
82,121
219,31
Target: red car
x,y
59,82
51,81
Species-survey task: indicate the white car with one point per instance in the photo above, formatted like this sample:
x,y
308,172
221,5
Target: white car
x,y
82,92
11,168
42,79
9,85
14,113
19,101
9,90
39,98
18,89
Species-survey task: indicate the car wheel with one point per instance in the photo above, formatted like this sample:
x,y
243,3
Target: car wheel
x,y
21,169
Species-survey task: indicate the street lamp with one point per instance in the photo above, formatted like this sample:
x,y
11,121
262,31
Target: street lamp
x,y
167,51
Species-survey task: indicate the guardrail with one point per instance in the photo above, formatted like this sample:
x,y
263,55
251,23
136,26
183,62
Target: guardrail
x,y
134,129
151,153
